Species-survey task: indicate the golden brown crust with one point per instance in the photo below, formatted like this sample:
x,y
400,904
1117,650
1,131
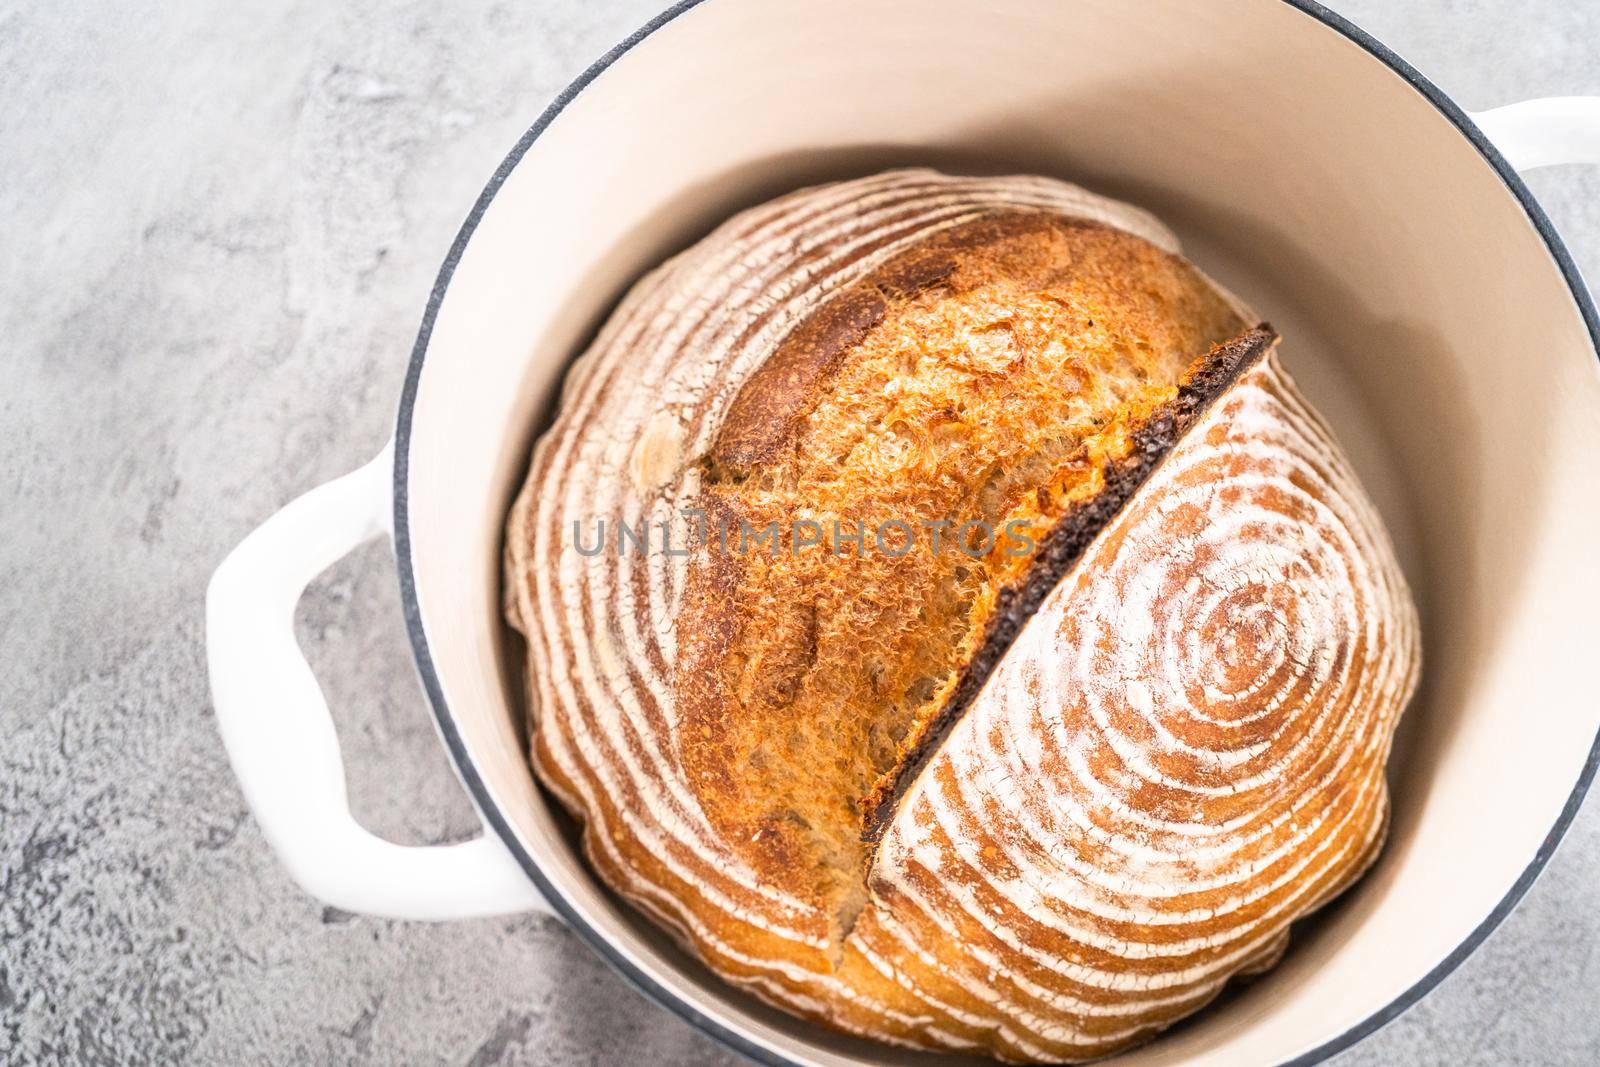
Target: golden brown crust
x,y
1181,754
1013,245
763,415
924,347
808,675
1062,547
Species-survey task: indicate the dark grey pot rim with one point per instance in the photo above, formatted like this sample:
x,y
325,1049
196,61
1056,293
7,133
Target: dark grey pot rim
x,y
474,782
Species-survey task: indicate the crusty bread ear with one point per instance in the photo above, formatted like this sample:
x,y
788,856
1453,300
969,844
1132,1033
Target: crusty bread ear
x,y
1004,372
1182,753
726,709
1063,544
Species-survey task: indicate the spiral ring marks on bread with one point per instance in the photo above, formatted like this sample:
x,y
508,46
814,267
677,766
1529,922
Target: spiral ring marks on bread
x,y
727,301
1106,798
1181,753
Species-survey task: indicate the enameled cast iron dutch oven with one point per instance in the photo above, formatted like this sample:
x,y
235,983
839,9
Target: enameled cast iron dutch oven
x,y
1430,312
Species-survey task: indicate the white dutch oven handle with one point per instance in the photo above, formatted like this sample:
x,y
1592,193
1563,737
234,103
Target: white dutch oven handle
x,y
1542,133
280,738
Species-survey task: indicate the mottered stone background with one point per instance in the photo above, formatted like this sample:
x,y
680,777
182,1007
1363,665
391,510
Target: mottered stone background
x,y
218,228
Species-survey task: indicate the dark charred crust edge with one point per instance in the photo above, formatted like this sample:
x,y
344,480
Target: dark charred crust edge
x,y
1059,551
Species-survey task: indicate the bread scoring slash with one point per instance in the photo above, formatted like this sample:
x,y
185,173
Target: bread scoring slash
x,y
1015,656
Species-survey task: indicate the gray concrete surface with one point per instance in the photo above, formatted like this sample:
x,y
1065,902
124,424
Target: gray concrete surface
x,y
218,227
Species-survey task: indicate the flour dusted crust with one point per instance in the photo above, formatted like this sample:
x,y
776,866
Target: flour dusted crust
x,y
1181,754
1108,777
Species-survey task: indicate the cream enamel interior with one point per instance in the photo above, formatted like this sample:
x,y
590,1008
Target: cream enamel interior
x,y
1422,314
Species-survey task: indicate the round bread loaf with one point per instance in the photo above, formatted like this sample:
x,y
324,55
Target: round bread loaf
x,y
945,617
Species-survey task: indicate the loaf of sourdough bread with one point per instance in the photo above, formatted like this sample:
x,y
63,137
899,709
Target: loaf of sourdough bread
x,y
946,618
